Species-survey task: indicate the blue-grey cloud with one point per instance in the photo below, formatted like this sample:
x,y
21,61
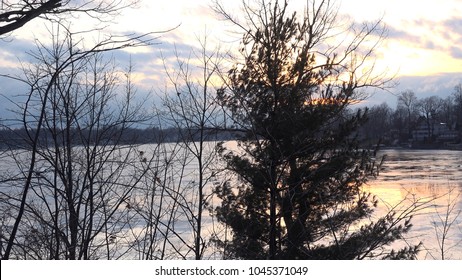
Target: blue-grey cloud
x,y
449,29
456,52
15,50
13,53
406,36
395,33
453,25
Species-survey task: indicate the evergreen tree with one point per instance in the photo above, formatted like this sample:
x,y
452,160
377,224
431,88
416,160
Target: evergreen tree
x,y
298,190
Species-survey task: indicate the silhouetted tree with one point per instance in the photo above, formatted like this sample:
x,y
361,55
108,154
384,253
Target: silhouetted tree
x,y
430,109
15,15
457,97
299,171
447,115
193,110
399,123
72,179
378,123
408,101
67,58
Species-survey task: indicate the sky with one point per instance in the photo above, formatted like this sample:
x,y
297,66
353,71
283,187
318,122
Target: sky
x,y
422,51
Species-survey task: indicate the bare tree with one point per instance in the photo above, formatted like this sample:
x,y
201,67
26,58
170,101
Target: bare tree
x,y
192,109
447,115
378,124
73,128
430,108
444,223
158,207
15,14
457,94
408,100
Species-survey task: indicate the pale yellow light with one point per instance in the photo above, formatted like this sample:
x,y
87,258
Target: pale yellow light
x,y
406,60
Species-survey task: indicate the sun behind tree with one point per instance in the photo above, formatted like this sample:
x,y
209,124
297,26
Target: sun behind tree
x,y
300,171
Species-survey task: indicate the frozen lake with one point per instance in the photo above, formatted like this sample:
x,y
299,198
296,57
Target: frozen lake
x,y
430,177
434,176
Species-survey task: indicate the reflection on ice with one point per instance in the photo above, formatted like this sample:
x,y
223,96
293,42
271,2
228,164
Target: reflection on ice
x,y
430,176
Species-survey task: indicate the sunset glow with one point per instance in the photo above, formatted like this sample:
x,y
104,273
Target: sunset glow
x,y
423,39
231,130
423,43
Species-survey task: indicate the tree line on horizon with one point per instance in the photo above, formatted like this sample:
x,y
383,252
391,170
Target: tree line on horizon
x,y
15,138
398,127
390,127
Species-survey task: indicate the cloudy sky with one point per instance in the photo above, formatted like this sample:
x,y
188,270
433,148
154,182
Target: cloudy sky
x,y
423,49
